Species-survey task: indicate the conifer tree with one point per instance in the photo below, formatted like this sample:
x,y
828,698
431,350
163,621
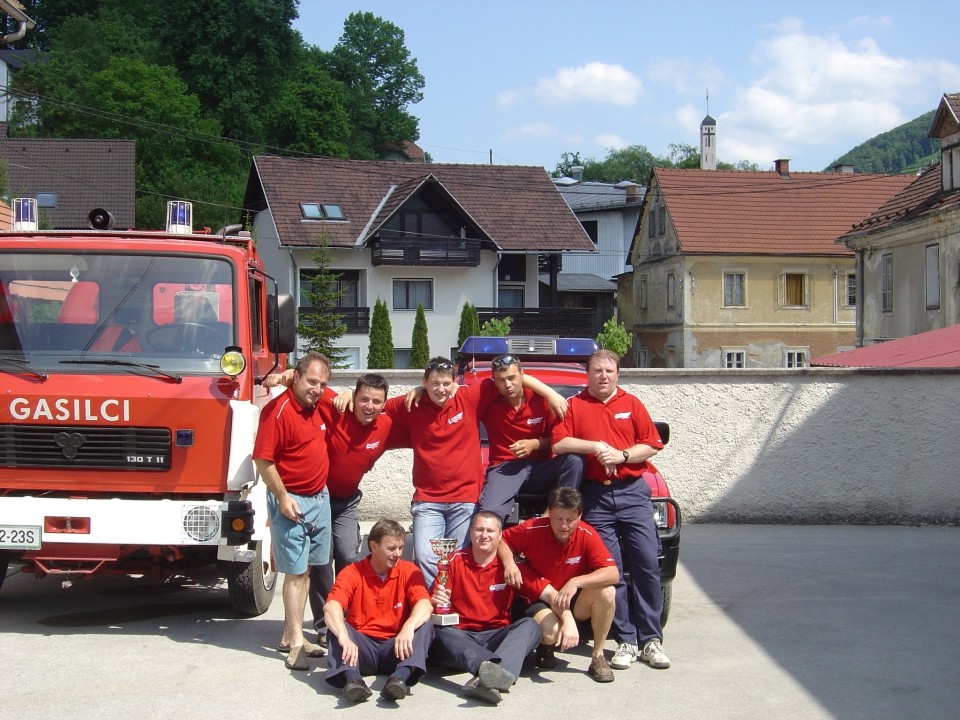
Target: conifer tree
x,y
469,323
321,326
380,354
420,344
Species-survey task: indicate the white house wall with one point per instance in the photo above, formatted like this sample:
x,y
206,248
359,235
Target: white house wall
x,y
614,233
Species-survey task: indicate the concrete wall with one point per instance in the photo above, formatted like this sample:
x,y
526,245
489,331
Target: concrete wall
x,y
815,446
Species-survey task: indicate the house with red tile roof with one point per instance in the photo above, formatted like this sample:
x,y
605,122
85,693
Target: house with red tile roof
x,y
908,250
439,235
742,269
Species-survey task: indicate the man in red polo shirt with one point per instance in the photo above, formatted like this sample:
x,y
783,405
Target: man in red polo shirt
x,y
518,424
290,454
573,575
355,441
485,643
378,616
613,431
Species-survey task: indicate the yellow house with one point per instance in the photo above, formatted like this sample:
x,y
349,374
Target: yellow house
x,y
742,269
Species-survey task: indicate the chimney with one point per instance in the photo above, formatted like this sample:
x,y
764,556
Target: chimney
x,y
576,172
782,168
843,168
633,193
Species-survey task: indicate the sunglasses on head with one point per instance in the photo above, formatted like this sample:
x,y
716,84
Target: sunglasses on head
x,y
446,366
504,361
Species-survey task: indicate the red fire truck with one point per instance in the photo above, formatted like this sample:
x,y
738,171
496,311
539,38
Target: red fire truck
x,y
131,364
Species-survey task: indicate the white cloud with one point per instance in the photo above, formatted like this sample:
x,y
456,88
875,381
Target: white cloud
x,y
531,130
820,91
594,82
508,98
687,76
609,141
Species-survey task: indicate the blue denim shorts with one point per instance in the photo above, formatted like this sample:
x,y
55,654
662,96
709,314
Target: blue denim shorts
x,y
293,548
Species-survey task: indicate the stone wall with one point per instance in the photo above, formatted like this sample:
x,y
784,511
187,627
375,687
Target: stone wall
x,y
821,445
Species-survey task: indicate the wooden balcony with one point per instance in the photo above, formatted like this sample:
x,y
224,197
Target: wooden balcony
x,y
553,321
357,319
438,253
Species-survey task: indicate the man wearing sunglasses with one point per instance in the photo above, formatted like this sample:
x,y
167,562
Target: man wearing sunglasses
x,y
518,425
290,454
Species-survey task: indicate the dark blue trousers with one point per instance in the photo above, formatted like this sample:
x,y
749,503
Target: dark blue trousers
x,y
466,649
376,656
624,511
536,477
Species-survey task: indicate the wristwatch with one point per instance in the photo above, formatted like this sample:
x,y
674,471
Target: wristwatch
x,y
626,456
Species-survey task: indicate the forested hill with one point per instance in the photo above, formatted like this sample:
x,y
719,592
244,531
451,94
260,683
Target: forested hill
x,y
904,149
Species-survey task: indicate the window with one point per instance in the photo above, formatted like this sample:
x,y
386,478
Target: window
x,y
662,220
510,296
734,359
316,211
591,228
47,200
349,358
642,293
407,294
932,258
346,282
671,290
850,300
796,358
643,358
886,280
652,223
401,358
795,290
733,283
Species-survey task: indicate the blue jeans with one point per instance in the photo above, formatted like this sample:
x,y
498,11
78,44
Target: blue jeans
x,y
438,520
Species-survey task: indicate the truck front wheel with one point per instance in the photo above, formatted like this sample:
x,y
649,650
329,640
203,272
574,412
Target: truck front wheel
x,y
252,584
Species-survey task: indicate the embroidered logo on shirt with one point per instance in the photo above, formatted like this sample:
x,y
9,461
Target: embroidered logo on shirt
x,y
535,421
373,445
455,419
323,427
498,587
398,606
622,416
572,560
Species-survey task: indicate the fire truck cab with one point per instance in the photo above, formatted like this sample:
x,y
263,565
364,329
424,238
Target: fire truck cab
x,y
132,364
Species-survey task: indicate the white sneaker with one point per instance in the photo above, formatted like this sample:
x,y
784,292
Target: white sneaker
x,y
654,656
625,654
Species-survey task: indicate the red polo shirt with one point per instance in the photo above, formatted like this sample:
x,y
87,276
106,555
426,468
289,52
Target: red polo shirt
x,y
506,425
557,562
378,608
622,422
479,593
354,447
294,440
447,466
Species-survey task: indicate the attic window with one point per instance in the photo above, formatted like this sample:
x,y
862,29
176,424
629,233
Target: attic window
x,y
46,200
316,211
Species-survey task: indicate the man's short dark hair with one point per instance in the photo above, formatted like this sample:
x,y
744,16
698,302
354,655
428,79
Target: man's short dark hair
x,y
565,498
440,365
312,356
385,528
374,381
487,514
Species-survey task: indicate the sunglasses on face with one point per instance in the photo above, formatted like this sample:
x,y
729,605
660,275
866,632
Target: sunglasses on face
x,y
504,361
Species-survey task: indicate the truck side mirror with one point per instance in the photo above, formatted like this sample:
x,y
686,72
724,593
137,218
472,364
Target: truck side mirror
x,y
281,323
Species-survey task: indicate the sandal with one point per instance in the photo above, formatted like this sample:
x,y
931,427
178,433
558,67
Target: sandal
x,y
309,649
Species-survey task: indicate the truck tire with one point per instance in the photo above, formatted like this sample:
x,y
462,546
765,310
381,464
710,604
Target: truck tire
x,y
667,591
252,584
4,565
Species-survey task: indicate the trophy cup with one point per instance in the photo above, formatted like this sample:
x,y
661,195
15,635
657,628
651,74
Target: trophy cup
x,y
444,548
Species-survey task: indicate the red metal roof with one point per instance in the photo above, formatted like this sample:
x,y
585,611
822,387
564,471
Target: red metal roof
x,y
933,349
762,213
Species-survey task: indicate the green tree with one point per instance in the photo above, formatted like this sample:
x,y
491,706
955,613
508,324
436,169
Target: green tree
x,y
420,344
381,79
380,352
469,323
321,326
615,337
496,327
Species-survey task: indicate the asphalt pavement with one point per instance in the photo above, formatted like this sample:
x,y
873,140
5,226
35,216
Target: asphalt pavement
x,y
767,622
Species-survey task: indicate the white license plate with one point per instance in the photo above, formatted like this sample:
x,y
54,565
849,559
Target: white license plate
x,y
19,537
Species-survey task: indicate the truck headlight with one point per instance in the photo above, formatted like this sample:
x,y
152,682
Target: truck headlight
x,y
200,523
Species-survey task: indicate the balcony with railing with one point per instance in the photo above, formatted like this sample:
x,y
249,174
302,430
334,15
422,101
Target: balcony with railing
x,y
452,252
555,321
357,319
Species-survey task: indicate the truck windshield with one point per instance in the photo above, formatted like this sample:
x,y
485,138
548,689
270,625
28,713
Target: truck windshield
x,y
175,312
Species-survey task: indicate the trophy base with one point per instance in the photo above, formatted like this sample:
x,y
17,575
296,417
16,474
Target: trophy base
x,y
446,619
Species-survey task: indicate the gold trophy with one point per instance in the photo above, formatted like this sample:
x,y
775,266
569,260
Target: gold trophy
x,y
444,548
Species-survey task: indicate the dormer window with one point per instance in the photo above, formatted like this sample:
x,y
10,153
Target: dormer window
x,y
317,211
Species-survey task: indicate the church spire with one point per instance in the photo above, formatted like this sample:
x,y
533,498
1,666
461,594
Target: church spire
x,y
708,140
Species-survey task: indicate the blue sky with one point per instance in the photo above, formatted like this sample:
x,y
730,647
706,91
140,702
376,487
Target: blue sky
x,y
528,80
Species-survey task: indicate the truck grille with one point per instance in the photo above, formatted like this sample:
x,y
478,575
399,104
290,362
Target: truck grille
x,y
84,447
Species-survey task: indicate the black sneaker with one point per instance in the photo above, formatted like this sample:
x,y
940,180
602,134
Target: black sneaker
x,y
356,690
546,660
395,689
